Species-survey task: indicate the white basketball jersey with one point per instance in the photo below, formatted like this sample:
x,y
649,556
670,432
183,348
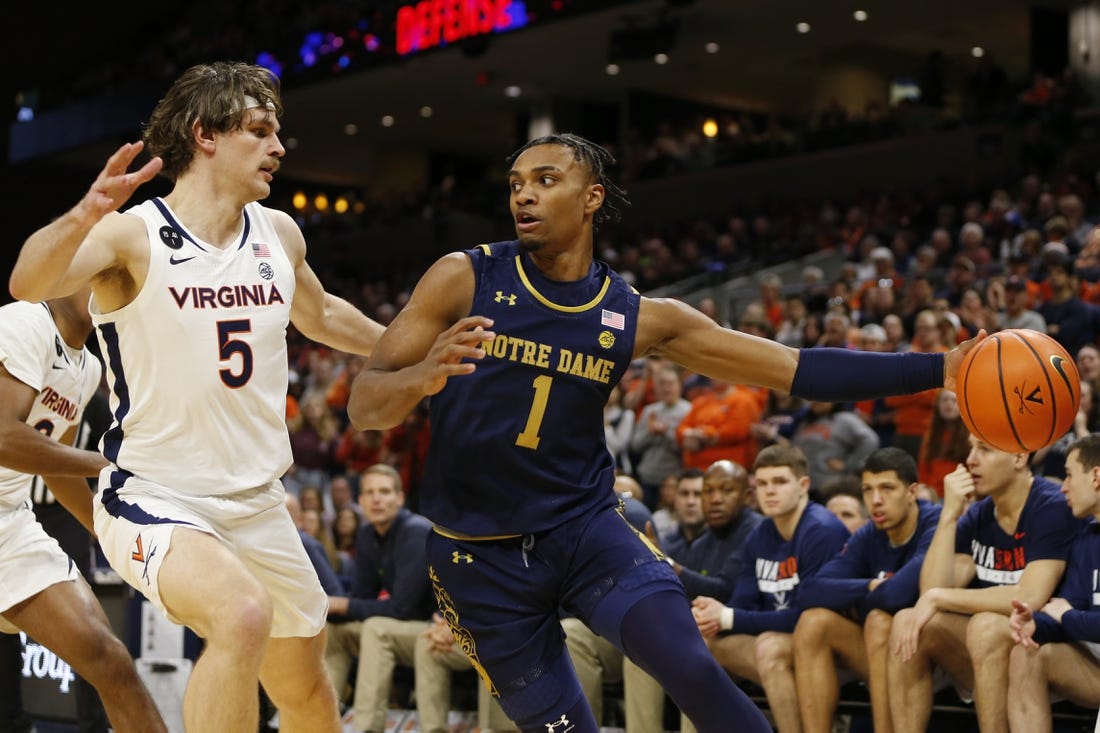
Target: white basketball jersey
x,y
197,362
32,351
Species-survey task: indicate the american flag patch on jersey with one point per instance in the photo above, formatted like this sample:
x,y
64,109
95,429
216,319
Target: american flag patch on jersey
x,y
260,250
613,319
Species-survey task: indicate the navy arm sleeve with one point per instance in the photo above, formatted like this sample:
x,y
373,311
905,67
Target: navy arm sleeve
x,y
844,375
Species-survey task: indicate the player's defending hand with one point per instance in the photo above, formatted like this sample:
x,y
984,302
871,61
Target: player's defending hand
x,y
447,356
114,186
954,359
1022,625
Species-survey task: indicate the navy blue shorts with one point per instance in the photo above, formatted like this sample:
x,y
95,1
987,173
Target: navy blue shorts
x,y
504,602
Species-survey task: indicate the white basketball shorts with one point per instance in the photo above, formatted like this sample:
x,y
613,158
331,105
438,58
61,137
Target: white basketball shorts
x,y
30,560
135,523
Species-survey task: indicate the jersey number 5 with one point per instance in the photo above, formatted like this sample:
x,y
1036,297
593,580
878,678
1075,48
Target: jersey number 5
x,y
228,347
529,438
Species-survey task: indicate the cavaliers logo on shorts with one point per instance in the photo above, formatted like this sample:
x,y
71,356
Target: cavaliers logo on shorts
x,y
143,556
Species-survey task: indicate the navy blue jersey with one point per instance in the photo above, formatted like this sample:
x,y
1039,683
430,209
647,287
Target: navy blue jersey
x,y
842,582
765,597
518,446
1044,532
1081,588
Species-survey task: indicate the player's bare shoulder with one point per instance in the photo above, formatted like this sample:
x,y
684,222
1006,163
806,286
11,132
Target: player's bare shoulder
x,y
117,252
123,233
448,286
294,243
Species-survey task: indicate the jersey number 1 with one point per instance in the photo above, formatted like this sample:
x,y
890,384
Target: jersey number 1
x,y
529,438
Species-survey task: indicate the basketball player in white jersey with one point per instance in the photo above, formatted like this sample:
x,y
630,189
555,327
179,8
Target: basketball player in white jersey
x,y
192,296
47,378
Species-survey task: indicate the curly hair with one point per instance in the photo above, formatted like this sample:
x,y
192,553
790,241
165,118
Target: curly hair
x,y
598,160
215,95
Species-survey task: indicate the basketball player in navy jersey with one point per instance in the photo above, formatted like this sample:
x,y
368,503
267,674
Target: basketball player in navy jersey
x,y
1011,543
519,344
192,296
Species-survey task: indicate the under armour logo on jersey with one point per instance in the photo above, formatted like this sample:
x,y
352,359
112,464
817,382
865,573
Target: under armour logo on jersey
x,y
563,725
170,237
266,271
501,297
456,556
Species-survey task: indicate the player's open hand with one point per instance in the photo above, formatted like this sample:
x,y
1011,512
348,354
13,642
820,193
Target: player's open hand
x,y
1022,624
114,185
453,349
954,359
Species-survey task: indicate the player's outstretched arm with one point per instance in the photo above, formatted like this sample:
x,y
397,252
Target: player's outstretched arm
x,y
431,340
52,262
679,332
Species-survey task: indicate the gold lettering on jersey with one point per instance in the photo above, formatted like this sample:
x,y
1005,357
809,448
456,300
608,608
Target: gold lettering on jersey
x,y
54,402
539,355
517,349
585,365
228,296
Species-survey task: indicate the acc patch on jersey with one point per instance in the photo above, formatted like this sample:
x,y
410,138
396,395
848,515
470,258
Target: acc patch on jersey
x,y
171,238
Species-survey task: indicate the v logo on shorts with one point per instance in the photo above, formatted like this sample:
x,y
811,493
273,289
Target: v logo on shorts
x,y
139,555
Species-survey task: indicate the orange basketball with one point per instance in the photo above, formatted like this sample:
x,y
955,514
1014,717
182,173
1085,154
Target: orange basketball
x,y
1018,390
